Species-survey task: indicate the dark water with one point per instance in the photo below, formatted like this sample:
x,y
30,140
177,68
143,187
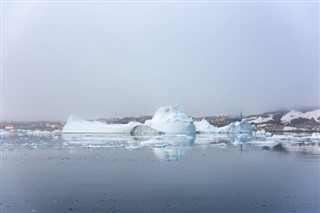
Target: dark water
x,y
212,173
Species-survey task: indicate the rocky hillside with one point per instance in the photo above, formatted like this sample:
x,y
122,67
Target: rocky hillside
x,y
288,120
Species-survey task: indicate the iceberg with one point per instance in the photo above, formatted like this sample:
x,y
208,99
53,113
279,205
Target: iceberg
x,y
235,127
238,127
4,133
77,125
204,126
315,136
171,120
262,133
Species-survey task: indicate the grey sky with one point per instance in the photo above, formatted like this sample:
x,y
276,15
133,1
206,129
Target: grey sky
x,y
118,59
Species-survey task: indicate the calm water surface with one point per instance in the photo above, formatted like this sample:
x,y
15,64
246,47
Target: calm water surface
x,y
116,173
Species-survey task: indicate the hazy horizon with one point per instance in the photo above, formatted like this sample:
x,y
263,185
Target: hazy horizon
x,y
122,59
193,116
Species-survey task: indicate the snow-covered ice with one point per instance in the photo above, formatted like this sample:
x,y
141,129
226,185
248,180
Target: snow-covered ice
x,y
204,126
262,133
235,127
77,125
238,127
171,120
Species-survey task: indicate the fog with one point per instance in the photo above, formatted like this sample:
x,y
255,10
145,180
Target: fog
x,y
129,58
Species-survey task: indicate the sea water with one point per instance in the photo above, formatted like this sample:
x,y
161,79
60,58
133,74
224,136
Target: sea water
x,y
165,173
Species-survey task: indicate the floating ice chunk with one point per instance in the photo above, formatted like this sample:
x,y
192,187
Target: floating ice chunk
x,y
38,133
262,133
238,127
171,120
315,137
204,126
77,125
235,127
4,133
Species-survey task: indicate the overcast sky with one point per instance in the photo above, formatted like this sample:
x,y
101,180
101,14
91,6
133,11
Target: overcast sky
x,y
119,59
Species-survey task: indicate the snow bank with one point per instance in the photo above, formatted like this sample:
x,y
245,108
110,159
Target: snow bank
x,y
293,114
289,128
171,120
260,119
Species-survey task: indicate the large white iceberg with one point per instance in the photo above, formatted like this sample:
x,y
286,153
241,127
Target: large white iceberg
x,y
77,125
171,120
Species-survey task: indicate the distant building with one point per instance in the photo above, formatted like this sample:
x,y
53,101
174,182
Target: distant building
x,y
9,127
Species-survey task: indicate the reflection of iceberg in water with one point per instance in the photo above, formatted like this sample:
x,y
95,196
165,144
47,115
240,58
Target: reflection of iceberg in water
x,y
228,138
97,140
174,147
239,138
171,153
170,147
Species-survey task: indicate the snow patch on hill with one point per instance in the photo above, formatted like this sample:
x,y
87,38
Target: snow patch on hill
x,y
293,114
259,120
